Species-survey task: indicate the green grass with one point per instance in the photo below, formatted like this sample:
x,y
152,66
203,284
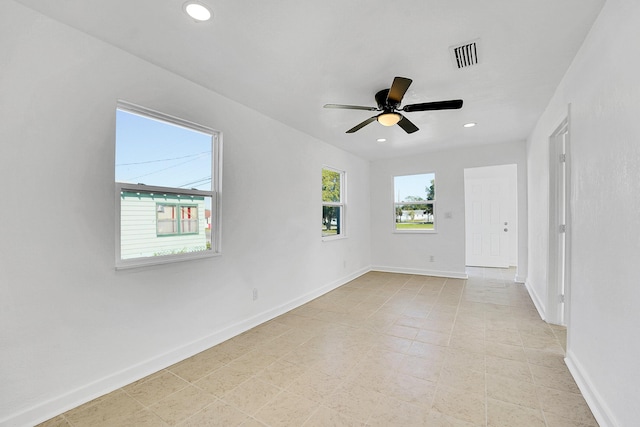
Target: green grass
x,y
331,232
414,226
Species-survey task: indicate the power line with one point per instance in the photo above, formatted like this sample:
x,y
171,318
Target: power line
x,y
161,170
164,160
203,180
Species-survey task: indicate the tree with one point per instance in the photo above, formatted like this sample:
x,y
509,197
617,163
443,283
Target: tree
x,y
431,195
330,193
398,213
330,186
431,191
413,199
413,207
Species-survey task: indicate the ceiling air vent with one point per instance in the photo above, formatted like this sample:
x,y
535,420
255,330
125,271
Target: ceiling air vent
x,y
465,55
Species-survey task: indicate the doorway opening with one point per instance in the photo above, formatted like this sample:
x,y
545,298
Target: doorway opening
x,y
558,280
491,217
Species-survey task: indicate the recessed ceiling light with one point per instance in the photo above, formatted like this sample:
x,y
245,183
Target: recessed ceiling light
x,y
381,140
469,125
197,11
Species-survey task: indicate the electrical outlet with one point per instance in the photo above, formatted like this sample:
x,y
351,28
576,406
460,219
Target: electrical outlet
x,y
432,258
255,294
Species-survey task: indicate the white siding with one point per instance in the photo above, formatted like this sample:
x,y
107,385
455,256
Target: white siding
x,y
139,237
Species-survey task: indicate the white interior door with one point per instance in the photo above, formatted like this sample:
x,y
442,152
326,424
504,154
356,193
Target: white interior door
x,y
488,217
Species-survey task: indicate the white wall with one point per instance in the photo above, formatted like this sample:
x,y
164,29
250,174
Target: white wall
x,y
72,327
411,252
603,89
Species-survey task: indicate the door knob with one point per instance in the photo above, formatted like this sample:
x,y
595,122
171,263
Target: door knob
x,y
506,229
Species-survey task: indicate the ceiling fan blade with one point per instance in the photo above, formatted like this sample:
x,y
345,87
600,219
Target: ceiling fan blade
x,y
350,107
363,124
454,104
398,89
407,125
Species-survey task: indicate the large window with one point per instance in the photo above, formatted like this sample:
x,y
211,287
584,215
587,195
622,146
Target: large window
x,y
167,176
333,206
414,204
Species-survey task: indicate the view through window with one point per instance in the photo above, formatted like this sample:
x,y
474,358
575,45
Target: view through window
x,y
332,202
415,197
166,187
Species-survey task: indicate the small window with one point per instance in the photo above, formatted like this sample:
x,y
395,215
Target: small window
x,y
167,188
176,219
333,207
415,198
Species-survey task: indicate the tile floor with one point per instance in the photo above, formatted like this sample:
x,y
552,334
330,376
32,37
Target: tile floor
x,y
383,350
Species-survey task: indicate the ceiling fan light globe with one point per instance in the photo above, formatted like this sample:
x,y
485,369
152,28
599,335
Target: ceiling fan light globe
x,y
389,119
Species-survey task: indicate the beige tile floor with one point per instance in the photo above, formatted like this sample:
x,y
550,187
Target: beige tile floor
x,y
383,350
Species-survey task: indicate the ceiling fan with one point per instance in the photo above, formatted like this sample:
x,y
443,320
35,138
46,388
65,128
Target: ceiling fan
x,y
388,101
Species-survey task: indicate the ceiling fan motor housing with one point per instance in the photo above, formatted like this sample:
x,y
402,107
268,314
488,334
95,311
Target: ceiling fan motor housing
x,y
383,102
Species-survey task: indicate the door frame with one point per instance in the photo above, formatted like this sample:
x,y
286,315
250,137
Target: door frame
x,y
558,305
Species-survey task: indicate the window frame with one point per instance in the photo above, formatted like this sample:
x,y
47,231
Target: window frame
x,y
214,194
424,202
341,204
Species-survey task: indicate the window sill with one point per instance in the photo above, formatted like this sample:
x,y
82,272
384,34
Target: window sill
x,y
125,264
415,231
331,238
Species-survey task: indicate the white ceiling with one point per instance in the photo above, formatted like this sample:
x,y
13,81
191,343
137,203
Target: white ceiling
x,y
287,58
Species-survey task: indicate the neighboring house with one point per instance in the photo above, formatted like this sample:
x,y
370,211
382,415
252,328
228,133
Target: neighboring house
x,y
414,215
161,224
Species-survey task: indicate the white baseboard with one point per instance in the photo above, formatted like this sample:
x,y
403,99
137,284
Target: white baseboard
x,y
536,300
60,404
598,407
448,274
520,279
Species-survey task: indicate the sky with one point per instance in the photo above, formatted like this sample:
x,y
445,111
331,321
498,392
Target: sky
x,y
153,152
412,185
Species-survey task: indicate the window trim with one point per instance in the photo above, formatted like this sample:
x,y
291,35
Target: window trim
x,y
214,194
342,204
433,203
